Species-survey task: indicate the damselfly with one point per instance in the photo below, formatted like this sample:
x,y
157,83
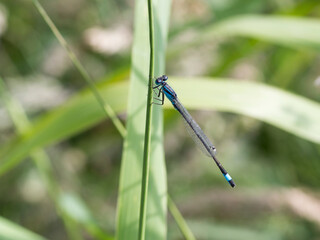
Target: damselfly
x,y
195,131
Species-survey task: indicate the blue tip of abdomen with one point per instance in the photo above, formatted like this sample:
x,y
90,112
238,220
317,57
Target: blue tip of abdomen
x,y
229,179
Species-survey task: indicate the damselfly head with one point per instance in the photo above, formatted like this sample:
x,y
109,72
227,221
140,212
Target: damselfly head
x,y
161,79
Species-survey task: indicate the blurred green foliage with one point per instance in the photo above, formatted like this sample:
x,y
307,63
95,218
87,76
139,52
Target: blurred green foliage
x,y
277,173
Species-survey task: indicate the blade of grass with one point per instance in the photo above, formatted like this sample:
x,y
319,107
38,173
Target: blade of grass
x,y
294,32
246,98
183,226
292,113
12,231
288,31
83,106
76,209
106,107
131,166
147,132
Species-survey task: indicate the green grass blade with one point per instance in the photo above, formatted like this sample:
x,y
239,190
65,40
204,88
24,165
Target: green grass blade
x,y
279,108
184,228
288,31
287,111
104,105
293,32
78,114
76,209
12,231
131,168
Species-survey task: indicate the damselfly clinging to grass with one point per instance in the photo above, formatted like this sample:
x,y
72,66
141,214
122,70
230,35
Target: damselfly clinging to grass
x,y
195,131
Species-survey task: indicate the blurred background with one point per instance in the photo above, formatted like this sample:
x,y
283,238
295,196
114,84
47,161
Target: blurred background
x,y
277,173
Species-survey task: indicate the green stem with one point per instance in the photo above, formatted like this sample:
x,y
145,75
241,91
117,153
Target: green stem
x,y
147,137
183,226
105,107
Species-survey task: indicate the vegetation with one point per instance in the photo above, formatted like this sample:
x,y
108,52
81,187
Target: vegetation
x,y
74,73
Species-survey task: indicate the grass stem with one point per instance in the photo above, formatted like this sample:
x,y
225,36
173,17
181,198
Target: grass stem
x,y
147,138
105,107
183,226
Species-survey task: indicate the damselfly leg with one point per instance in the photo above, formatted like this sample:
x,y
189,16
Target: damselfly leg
x,y
160,92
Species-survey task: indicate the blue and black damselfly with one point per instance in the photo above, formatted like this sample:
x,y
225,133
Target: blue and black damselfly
x,y
193,128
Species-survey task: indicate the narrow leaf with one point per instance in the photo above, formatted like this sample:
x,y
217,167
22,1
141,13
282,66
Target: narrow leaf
x,y
131,166
292,113
279,108
12,231
288,31
77,115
